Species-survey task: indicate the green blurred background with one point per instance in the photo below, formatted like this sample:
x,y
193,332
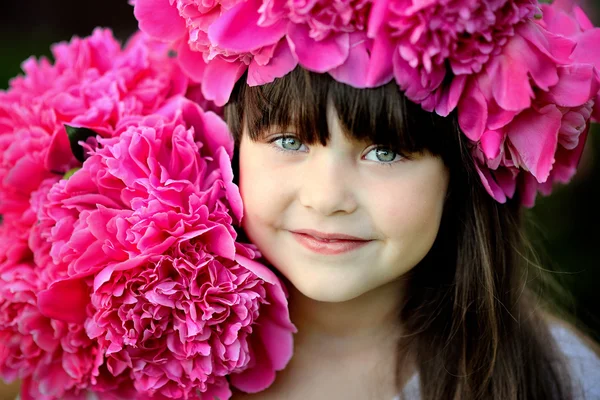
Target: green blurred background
x,y
563,228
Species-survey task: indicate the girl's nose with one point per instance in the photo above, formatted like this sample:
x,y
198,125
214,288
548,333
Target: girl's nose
x,y
327,185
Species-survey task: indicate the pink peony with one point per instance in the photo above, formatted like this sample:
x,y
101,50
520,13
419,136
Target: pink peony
x,y
436,39
323,18
530,135
185,24
54,359
566,19
144,234
20,353
23,154
93,83
218,41
59,357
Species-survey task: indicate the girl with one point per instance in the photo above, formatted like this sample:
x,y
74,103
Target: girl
x,y
398,230
406,277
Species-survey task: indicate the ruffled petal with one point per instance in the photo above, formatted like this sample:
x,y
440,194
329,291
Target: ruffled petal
x,y
318,56
220,77
159,19
191,62
534,135
65,301
238,30
472,113
281,64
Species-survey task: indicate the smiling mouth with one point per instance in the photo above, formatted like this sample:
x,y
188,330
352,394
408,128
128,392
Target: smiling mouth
x,y
331,244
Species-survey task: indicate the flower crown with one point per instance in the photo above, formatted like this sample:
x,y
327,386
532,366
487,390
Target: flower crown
x,y
521,75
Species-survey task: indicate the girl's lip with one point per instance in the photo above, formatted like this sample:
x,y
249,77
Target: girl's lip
x,y
328,236
328,246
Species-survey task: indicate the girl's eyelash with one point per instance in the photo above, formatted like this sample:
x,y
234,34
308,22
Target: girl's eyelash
x,y
388,164
272,141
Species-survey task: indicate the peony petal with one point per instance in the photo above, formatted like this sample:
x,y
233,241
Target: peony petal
x,y
510,81
159,19
220,77
209,128
472,113
65,301
238,30
366,66
498,117
381,67
534,135
409,80
273,349
279,343
59,157
528,187
279,305
281,64
318,56
191,62
490,184
577,85
354,70
586,50
258,269
567,161
557,48
232,190
377,16
581,17
451,96
507,181
491,143
104,275
26,175
559,22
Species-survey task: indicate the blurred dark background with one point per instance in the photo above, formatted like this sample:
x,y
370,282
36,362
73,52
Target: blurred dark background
x,y
564,227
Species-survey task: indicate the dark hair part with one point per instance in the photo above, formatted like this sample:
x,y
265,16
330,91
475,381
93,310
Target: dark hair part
x,y
472,320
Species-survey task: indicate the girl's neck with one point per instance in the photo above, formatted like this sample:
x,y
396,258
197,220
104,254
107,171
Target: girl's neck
x,y
343,350
346,327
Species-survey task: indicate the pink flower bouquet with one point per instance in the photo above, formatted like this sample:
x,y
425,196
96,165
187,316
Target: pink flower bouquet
x,y
120,273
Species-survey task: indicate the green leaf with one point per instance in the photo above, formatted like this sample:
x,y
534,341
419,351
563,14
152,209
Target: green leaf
x,y
70,173
75,136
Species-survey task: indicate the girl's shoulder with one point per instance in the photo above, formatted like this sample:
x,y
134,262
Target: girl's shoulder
x,y
583,359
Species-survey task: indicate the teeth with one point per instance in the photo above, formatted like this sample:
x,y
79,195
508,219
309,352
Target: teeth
x,y
326,240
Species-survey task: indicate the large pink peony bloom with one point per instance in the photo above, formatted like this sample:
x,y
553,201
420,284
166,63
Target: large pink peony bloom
x,y
144,232
92,83
437,39
529,109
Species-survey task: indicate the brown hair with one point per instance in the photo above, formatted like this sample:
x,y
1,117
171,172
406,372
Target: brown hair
x,y
472,320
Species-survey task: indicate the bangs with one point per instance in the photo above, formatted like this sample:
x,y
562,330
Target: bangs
x,y
298,101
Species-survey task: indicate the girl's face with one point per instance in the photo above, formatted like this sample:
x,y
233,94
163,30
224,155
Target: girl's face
x,y
299,200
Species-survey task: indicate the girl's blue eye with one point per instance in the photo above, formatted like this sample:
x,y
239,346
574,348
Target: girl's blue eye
x,y
383,155
290,143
